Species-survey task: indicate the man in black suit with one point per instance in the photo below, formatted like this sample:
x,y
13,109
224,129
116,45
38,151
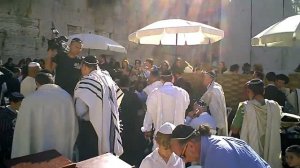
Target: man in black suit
x,y
8,116
272,92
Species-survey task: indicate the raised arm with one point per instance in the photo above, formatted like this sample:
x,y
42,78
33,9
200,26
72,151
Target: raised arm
x,y
49,63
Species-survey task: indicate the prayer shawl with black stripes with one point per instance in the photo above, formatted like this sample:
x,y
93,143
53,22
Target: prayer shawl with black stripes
x,y
103,97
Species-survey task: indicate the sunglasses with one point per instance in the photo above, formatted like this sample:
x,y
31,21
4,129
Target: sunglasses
x,y
182,155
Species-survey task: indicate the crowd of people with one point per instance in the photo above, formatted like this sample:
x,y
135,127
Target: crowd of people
x,y
145,114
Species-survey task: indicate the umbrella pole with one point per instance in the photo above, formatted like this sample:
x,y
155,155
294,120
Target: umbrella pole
x,y
210,54
176,45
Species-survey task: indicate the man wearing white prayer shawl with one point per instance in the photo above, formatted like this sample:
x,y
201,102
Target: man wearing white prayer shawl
x,y
97,99
28,85
165,104
46,120
215,99
258,120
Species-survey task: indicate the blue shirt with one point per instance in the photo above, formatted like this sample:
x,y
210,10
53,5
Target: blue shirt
x,y
228,152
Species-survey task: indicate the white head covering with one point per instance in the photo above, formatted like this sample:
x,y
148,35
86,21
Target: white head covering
x,y
33,64
167,128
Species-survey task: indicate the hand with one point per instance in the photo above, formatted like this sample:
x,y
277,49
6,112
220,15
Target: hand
x,y
191,114
197,112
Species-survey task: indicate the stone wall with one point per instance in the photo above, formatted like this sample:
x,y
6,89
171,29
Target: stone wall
x,y
25,24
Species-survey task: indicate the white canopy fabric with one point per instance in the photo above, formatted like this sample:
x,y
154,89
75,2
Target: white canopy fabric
x,y
176,32
285,33
93,41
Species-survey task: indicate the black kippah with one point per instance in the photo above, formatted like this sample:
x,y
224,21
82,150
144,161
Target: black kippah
x,y
76,40
210,73
255,82
16,96
182,132
200,103
90,59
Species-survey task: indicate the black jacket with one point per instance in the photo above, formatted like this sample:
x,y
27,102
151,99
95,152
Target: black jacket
x,y
273,93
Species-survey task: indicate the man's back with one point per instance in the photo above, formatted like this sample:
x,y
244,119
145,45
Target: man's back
x,y
28,86
261,123
273,93
231,152
167,104
148,89
7,121
46,121
214,97
67,72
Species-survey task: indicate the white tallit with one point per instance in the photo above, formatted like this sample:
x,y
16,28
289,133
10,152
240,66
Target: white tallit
x,y
101,94
215,99
46,120
250,132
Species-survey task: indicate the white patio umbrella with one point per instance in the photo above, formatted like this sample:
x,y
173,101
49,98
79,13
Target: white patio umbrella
x,y
176,32
97,42
285,33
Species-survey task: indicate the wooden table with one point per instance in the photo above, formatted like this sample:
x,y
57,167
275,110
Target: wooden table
x,y
104,161
47,159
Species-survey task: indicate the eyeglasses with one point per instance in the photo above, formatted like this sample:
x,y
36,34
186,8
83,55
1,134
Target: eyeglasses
x,y
182,155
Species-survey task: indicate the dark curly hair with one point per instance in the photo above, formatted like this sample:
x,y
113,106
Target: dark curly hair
x,y
295,149
256,86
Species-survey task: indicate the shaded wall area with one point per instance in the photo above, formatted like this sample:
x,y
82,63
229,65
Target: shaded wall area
x,y
242,20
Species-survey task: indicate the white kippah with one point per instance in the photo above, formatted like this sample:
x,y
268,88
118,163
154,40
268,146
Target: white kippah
x,y
166,128
33,64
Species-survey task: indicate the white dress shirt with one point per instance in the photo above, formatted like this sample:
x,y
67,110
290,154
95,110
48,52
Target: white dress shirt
x,y
152,86
154,160
165,104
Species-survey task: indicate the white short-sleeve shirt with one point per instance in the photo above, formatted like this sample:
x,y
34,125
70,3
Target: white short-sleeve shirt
x,y
153,160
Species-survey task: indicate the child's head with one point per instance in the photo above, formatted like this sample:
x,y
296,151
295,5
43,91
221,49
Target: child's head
x,y
293,155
